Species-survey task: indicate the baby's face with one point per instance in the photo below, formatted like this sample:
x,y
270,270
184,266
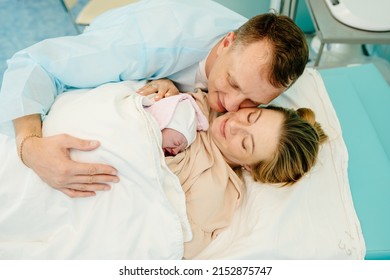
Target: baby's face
x,y
173,142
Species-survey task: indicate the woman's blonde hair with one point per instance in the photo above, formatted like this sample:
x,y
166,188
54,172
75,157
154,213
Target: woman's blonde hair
x,y
297,151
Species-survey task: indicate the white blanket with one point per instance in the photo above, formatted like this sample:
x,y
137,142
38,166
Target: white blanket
x,y
142,217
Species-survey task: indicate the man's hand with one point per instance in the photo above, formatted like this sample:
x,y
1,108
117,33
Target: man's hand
x,y
50,158
162,88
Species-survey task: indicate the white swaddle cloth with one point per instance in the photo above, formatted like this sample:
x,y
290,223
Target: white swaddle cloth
x,y
184,121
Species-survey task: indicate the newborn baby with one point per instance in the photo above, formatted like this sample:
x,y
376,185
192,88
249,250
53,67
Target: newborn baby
x,y
179,118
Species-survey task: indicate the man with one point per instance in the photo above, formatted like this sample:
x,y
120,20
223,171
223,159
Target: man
x,y
193,43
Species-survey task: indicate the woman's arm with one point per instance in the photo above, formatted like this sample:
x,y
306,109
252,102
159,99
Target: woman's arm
x,y
50,158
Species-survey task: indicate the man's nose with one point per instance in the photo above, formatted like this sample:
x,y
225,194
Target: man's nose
x,y
233,101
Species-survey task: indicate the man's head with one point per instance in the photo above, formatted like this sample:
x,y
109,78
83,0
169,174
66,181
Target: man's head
x,y
256,63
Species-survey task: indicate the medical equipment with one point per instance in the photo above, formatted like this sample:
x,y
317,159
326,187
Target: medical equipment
x,y
366,15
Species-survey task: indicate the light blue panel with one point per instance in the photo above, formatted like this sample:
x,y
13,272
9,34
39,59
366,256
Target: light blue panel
x,y
382,51
247,8
361,98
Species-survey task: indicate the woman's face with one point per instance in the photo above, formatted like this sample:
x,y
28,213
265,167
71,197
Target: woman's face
x,y
247,136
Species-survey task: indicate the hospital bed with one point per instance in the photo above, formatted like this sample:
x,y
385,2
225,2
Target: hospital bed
x,y
338,211
361,98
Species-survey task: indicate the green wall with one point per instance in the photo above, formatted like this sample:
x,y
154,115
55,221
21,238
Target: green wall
x,y
247,8
250,8
303,18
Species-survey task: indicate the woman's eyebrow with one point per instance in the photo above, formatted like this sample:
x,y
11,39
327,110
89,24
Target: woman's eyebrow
x,y
259,114
257,118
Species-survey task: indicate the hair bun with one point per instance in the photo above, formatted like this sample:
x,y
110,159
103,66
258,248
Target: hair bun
x,y
307,114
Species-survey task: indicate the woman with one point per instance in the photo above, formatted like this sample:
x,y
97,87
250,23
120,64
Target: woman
x,y
274,144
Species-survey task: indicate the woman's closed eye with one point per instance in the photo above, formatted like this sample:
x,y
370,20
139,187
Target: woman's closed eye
x,y
246,143
243,144
249,117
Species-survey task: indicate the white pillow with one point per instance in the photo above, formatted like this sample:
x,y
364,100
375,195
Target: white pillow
x,y
313,219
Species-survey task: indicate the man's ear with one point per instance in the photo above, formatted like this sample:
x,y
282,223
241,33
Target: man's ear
x,y
229,38
226,42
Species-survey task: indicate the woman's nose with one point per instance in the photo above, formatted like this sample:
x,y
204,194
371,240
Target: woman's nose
x,y
236,125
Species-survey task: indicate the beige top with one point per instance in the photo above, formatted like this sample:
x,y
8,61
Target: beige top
x,y
213,190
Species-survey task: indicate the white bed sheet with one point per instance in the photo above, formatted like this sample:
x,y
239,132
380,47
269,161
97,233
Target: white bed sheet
x,y
142,217
313,219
